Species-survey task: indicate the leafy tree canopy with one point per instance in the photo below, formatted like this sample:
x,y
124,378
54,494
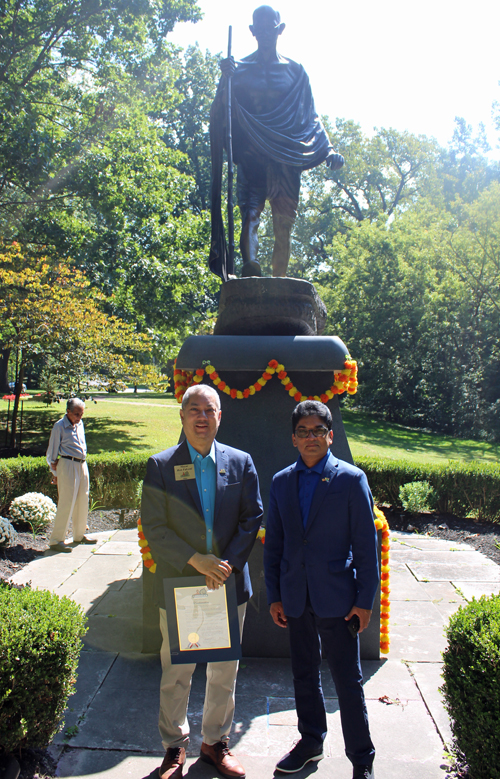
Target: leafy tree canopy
x,y
48,309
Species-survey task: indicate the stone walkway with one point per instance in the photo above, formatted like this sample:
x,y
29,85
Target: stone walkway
x,y
110,728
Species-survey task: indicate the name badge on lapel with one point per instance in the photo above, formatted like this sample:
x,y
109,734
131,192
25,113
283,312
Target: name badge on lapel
x,y
184,472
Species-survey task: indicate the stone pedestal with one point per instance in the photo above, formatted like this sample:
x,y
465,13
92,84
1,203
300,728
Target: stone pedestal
x,y
269,306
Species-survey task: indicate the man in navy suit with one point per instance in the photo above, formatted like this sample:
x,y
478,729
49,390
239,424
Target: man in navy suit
x,y
201,510
321,569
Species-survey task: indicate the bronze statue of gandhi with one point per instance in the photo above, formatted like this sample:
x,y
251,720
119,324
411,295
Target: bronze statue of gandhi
x,y
276,134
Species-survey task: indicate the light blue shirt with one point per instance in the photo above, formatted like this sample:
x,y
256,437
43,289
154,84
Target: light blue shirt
x,y
66,439
206,481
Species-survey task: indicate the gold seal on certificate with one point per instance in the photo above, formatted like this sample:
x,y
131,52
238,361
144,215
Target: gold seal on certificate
x,y
203,624
202,619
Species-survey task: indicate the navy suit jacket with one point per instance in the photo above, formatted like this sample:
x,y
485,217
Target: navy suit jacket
x,y
172,517
335,556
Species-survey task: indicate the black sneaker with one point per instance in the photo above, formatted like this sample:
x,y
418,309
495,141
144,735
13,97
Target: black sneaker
x,y
363,772
298,757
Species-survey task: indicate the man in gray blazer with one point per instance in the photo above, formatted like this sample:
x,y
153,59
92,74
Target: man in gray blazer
x,y
200,518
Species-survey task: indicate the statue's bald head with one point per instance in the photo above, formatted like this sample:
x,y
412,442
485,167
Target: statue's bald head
x,y
264,13
267,26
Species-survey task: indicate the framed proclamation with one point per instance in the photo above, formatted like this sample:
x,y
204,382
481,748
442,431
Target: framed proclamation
x,y
203,624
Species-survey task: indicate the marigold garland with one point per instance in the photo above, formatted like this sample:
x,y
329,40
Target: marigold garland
x,y
147,557
345,381
385,604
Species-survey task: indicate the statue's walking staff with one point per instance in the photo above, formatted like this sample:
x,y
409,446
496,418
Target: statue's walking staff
x,y
230,169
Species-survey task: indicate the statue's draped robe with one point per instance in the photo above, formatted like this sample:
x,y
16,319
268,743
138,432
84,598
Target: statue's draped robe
x,y
292,134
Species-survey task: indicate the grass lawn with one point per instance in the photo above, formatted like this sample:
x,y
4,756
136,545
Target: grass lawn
x,y
374,437
125,422
150,422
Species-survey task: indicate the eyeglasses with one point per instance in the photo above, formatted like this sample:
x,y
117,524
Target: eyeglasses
x,y
318,432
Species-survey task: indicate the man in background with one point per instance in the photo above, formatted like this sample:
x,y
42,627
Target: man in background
x,y
66,458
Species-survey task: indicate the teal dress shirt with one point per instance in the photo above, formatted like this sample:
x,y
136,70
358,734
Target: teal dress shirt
x,y
206,481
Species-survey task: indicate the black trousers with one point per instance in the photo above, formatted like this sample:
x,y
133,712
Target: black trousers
x,y
309,634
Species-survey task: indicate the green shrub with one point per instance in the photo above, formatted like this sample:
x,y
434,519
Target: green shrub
x,y
471,688
40,642
34,508
416,496
464,489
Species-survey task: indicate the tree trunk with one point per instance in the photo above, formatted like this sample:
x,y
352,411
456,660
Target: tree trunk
x,y
18,390
4,364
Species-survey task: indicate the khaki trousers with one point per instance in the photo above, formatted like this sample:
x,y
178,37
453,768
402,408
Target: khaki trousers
x,y
73,500
218,709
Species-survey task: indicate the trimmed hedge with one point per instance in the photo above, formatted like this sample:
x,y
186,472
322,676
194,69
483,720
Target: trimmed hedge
x,y
471,688
464,489
40,642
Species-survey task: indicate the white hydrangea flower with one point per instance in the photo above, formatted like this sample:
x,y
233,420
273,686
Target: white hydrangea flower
x,y
7,533
35,508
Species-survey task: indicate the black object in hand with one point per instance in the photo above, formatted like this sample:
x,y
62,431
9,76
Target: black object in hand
x,y
353,625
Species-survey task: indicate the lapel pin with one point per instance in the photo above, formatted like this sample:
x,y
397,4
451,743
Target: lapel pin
x,y
222,471
327,479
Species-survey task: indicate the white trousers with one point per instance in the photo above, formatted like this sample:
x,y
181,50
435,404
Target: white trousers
x,y
73,500
218,709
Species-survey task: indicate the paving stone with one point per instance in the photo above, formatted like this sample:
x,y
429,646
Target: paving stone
x,y
125,603
442,557
87,599
265,676
476,589
107,764
113,634
120,719
134,671
129,536
95,574
444,571
389,678
397,565
119,547
85,550
413,613
93,668
422,644
428,678
427,543
404,586
442,591
48,573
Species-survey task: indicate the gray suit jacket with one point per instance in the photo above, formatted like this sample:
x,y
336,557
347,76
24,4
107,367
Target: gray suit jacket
x,y
172,518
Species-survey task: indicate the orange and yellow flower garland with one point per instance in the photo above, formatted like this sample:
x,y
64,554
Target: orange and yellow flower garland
x,y
345,381
147,557
385,604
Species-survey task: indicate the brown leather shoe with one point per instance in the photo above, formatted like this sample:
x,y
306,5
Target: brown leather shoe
x,y
226,763
174,759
